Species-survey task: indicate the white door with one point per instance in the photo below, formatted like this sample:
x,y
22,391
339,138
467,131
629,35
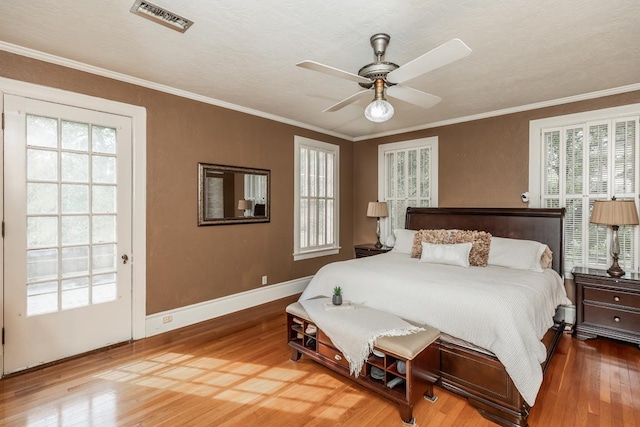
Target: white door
x,y
67,190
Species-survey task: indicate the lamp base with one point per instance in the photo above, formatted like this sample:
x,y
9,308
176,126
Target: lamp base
x,y
615,270
378,245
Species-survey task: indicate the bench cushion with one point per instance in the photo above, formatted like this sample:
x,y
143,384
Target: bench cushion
x,y
408,346
405,346
297,310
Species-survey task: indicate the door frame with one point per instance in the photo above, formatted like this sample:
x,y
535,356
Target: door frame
x,y
138,117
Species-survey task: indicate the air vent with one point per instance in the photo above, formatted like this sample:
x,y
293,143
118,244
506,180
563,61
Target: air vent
x,y
161,16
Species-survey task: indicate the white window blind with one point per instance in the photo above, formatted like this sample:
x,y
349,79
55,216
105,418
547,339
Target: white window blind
x,y
408,174
584,162
316,186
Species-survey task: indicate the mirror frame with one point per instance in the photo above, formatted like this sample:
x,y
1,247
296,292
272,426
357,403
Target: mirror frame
x,y
202,171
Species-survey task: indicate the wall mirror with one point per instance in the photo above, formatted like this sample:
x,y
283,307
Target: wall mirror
x,y
233,195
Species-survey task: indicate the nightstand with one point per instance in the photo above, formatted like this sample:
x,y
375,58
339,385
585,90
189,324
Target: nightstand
x,y
369,250
607,306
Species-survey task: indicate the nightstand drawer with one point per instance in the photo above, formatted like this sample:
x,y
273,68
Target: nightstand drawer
x,y
611,318
609,282
612,297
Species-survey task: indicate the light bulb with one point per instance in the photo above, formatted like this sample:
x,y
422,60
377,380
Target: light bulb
x,y
378,111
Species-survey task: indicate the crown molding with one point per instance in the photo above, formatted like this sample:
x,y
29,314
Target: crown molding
x,y
519,109
31,53
53,59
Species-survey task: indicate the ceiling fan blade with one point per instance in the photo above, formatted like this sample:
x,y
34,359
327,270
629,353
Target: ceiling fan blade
x,y
442,55
353,98
316,66
413,96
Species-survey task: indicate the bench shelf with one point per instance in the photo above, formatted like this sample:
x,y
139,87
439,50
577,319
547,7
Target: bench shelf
x,y
416,382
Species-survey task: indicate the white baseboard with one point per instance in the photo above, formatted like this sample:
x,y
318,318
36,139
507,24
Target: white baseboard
x,y
191,314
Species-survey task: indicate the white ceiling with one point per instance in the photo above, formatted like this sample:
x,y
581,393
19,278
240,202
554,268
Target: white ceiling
x,y
242,53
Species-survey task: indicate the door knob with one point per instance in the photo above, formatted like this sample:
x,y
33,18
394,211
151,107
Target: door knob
x,y
125,258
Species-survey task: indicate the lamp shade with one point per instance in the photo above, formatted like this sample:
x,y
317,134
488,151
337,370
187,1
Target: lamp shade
x,y
244,204
377,209
614,212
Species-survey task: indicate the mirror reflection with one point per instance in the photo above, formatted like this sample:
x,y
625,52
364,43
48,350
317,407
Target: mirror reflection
x,y
231,194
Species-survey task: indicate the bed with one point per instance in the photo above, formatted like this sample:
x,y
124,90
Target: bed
x,y
498,370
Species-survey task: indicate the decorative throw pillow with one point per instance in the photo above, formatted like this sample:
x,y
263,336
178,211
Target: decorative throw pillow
x,y
480,244
429,236
546,260
517,253
457,254
404,240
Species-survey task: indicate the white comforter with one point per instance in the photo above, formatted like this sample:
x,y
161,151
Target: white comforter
x,y
503,310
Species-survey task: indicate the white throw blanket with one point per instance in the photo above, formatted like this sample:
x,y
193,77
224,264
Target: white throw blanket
x,y
355,331
503,310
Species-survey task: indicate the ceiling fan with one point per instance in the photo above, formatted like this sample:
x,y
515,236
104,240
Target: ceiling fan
x,y
381,75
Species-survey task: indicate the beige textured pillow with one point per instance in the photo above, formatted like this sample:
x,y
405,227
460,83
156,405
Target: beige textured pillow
x,y
546,260
480,241
429,236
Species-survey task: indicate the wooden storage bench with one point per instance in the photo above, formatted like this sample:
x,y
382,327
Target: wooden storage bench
x,y
421,360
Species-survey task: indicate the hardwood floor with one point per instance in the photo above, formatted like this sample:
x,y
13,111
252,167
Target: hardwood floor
x,y
235,371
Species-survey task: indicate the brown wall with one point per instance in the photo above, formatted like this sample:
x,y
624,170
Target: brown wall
x,y
187,264
482,163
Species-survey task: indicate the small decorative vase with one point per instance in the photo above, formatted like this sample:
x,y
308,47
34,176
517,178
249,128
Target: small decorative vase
x,y
337,299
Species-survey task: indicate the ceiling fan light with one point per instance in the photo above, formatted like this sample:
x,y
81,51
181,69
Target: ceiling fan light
x,y
378,111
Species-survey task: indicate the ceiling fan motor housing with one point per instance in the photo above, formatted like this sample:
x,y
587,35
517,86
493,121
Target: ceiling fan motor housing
x,y
376,70
380,68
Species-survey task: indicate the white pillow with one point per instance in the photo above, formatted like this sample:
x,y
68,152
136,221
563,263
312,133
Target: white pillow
x,y
404,240
451,254
515,253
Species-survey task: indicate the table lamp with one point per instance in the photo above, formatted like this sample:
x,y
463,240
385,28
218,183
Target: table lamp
x,y
377,210
244,205
614,213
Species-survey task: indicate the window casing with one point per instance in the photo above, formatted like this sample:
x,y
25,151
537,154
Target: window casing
x,y
578,159
316,187
408,177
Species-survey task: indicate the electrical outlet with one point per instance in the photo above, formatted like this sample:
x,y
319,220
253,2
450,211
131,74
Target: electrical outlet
x,y
167,319
264,280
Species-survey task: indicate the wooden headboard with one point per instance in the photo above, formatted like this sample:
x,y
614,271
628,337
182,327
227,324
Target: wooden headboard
x,y
542,225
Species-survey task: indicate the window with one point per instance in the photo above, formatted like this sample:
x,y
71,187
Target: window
x,y
408,174
316,185
578,159
255,190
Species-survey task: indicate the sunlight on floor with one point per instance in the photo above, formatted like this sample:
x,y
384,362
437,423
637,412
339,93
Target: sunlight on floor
x,y
281,389
233,381
99,409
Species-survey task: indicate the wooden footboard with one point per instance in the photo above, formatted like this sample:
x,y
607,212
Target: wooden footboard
x,y
478,376
483,380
